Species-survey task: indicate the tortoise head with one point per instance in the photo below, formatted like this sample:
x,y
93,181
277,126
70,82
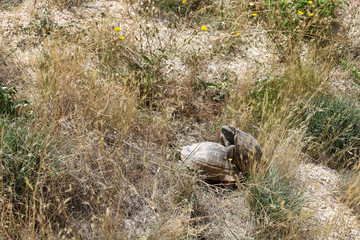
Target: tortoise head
x,y
229,133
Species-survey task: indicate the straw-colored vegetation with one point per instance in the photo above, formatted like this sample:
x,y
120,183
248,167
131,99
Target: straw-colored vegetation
x,y
97,97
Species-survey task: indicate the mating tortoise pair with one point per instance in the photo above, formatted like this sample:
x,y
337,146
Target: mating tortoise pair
x,y
238,153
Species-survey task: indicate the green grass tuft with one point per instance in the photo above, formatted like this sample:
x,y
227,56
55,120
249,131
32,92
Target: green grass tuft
x,y
304,14
275,204
26,158
334,130
8,104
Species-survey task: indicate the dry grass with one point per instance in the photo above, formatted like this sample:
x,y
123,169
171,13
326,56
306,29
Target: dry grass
x,y
116,110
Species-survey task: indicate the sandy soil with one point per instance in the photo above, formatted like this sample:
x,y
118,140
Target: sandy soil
x,y
320,184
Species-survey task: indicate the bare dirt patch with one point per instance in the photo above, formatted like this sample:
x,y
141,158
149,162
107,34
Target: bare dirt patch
x,y
336,219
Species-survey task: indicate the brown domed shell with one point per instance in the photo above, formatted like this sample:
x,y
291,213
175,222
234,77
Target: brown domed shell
x,y
210,159
248,152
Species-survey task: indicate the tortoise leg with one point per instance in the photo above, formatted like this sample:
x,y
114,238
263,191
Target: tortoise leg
x,y
230,153
232,157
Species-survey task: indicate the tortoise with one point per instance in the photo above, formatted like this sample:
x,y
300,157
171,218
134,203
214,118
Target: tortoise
x,y
238,152
243,147
212,160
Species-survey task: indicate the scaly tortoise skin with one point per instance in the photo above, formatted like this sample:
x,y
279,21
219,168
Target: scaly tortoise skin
x,y
211,160
244,148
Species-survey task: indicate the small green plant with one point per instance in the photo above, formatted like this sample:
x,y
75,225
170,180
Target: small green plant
x,y
214,90
353,69
26,158
265,96
42,24
121,57
290,22
9,4
8,104
273,96
181,7
333,129
288,15
66,4
275,204
175,10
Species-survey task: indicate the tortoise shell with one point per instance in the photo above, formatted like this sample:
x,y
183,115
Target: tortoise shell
x,y
210,159
248,152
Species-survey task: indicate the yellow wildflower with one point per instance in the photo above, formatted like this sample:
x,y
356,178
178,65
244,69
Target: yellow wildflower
x,y
184,1
311,14
122,37
254,14
237,34
302,13
116,29
204,28
309,2
230,159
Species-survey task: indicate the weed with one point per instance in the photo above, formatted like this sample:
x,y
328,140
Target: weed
x,y
333,128
8,103
26,159
350,189
271,93
10,71
266,96
42,24
214,90
8,5
176,10
181,7
353,69
275,205
308,17
142,56
66,4
289,23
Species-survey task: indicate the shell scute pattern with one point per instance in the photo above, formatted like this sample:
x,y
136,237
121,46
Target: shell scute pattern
x,y
211,160
248,152
239,152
